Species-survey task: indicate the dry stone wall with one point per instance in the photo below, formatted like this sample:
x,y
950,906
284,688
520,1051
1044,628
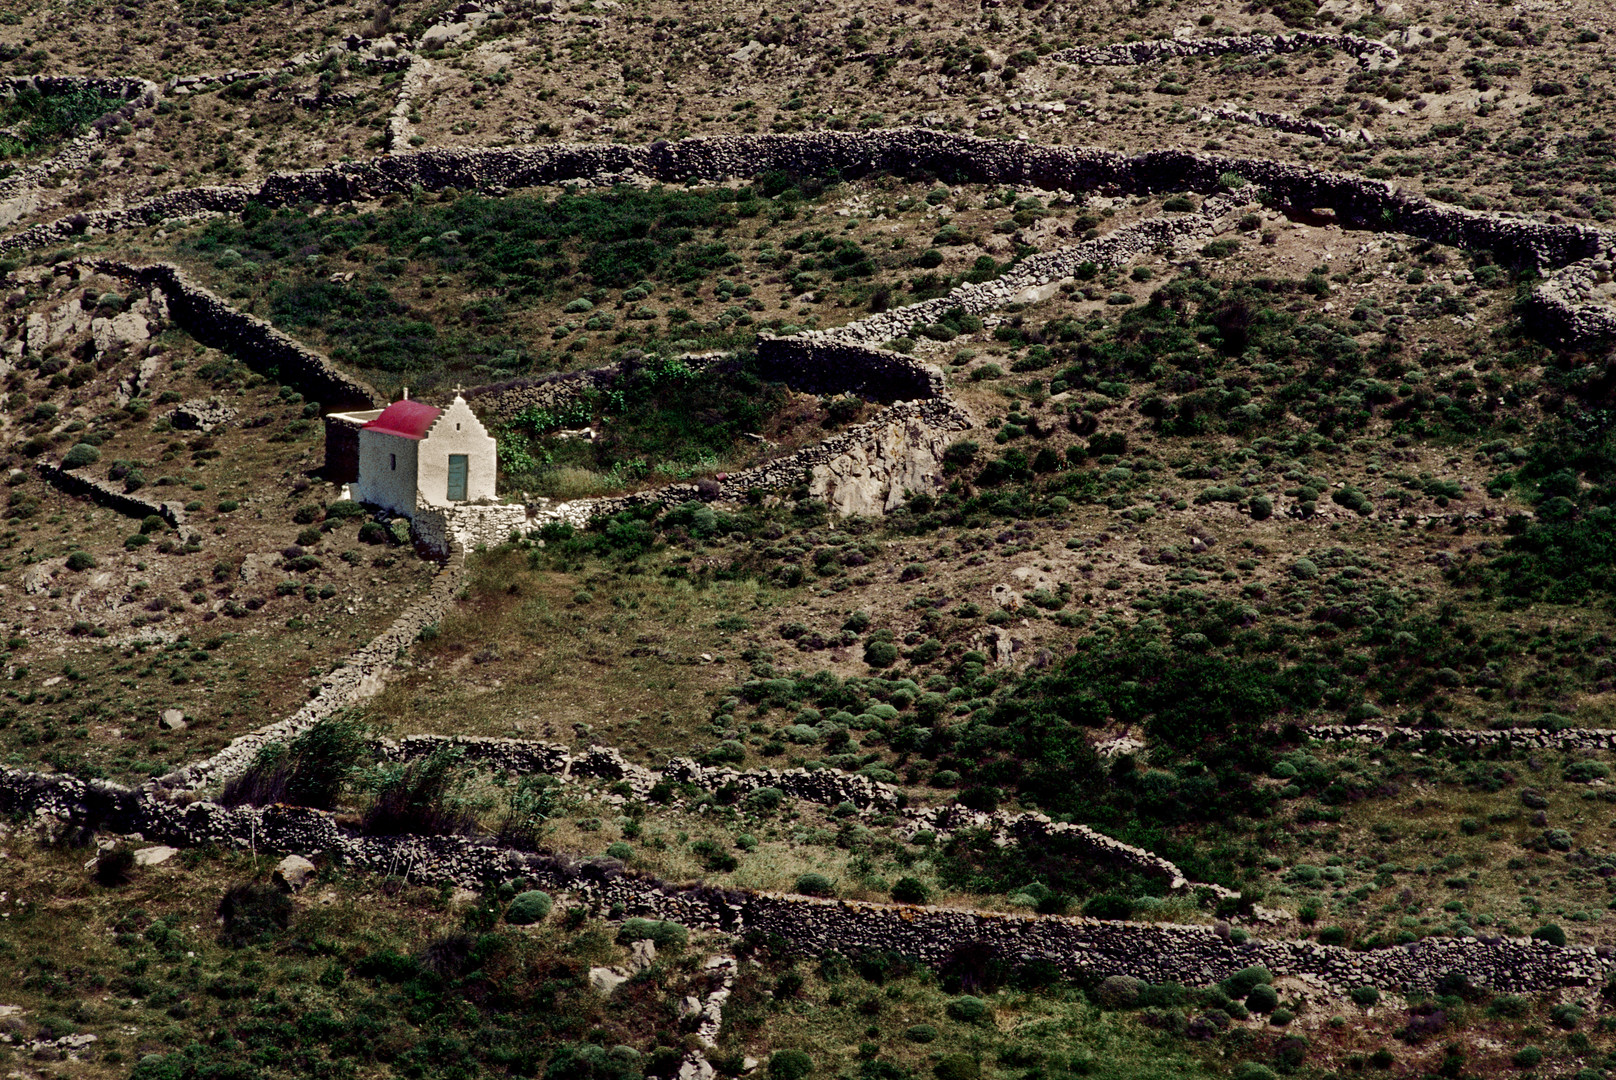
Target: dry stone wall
x,y
1366,52
106,494
142,92
1028,279
831,367
1521,738
212,321
356,678
1295,125
467,526
1357,202
1194,955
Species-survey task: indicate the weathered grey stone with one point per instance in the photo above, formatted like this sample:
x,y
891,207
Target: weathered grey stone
x,y
294,872
155,856
201,415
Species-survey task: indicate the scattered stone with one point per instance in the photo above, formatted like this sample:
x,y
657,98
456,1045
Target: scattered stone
x,y
173,720
294,872
201,415
605,981
155,856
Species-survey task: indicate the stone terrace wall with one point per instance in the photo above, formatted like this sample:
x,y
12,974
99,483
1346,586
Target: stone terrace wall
x,y
1520,738
1358,203
1032,828
1149,52
787,471
1034,273
439,529
500,403
140,91
250,339
828,787
101,492
357,677
1194,955
832,368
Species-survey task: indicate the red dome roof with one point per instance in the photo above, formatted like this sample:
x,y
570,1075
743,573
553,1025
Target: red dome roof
x,y
411,419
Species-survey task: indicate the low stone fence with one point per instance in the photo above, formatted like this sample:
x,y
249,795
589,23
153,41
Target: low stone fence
x,y
828,787
1006,828
936,413
1294,125
1357,202
1030,277
439,529
1574,307
1521,738
105,494
250,339
1134,53
140,91
832,367
357,677
1193,955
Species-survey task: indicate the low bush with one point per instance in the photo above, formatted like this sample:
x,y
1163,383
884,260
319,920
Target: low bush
x,y
312,771
910,890
969,1009
812,884
253,914
528,908
419,799
790,1065
957,1067
113,868
665,935
80,455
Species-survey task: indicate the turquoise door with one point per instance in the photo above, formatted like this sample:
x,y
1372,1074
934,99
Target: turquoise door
x,y
457,477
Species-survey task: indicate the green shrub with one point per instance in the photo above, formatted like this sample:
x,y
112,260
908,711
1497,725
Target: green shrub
x,y
311,771
253,914
1262,508
528,908
880,654
620,850
1245,980
420,800
765,799
1527,1057
957,1067
1333,935
1262,999
1365,996
1119,992
80,455
1551,933
663,934
812,884
1566,1016
790,1065
910,890
1250,1070
968,1009
1109,906
81,560
114,867
921,1033
344,509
